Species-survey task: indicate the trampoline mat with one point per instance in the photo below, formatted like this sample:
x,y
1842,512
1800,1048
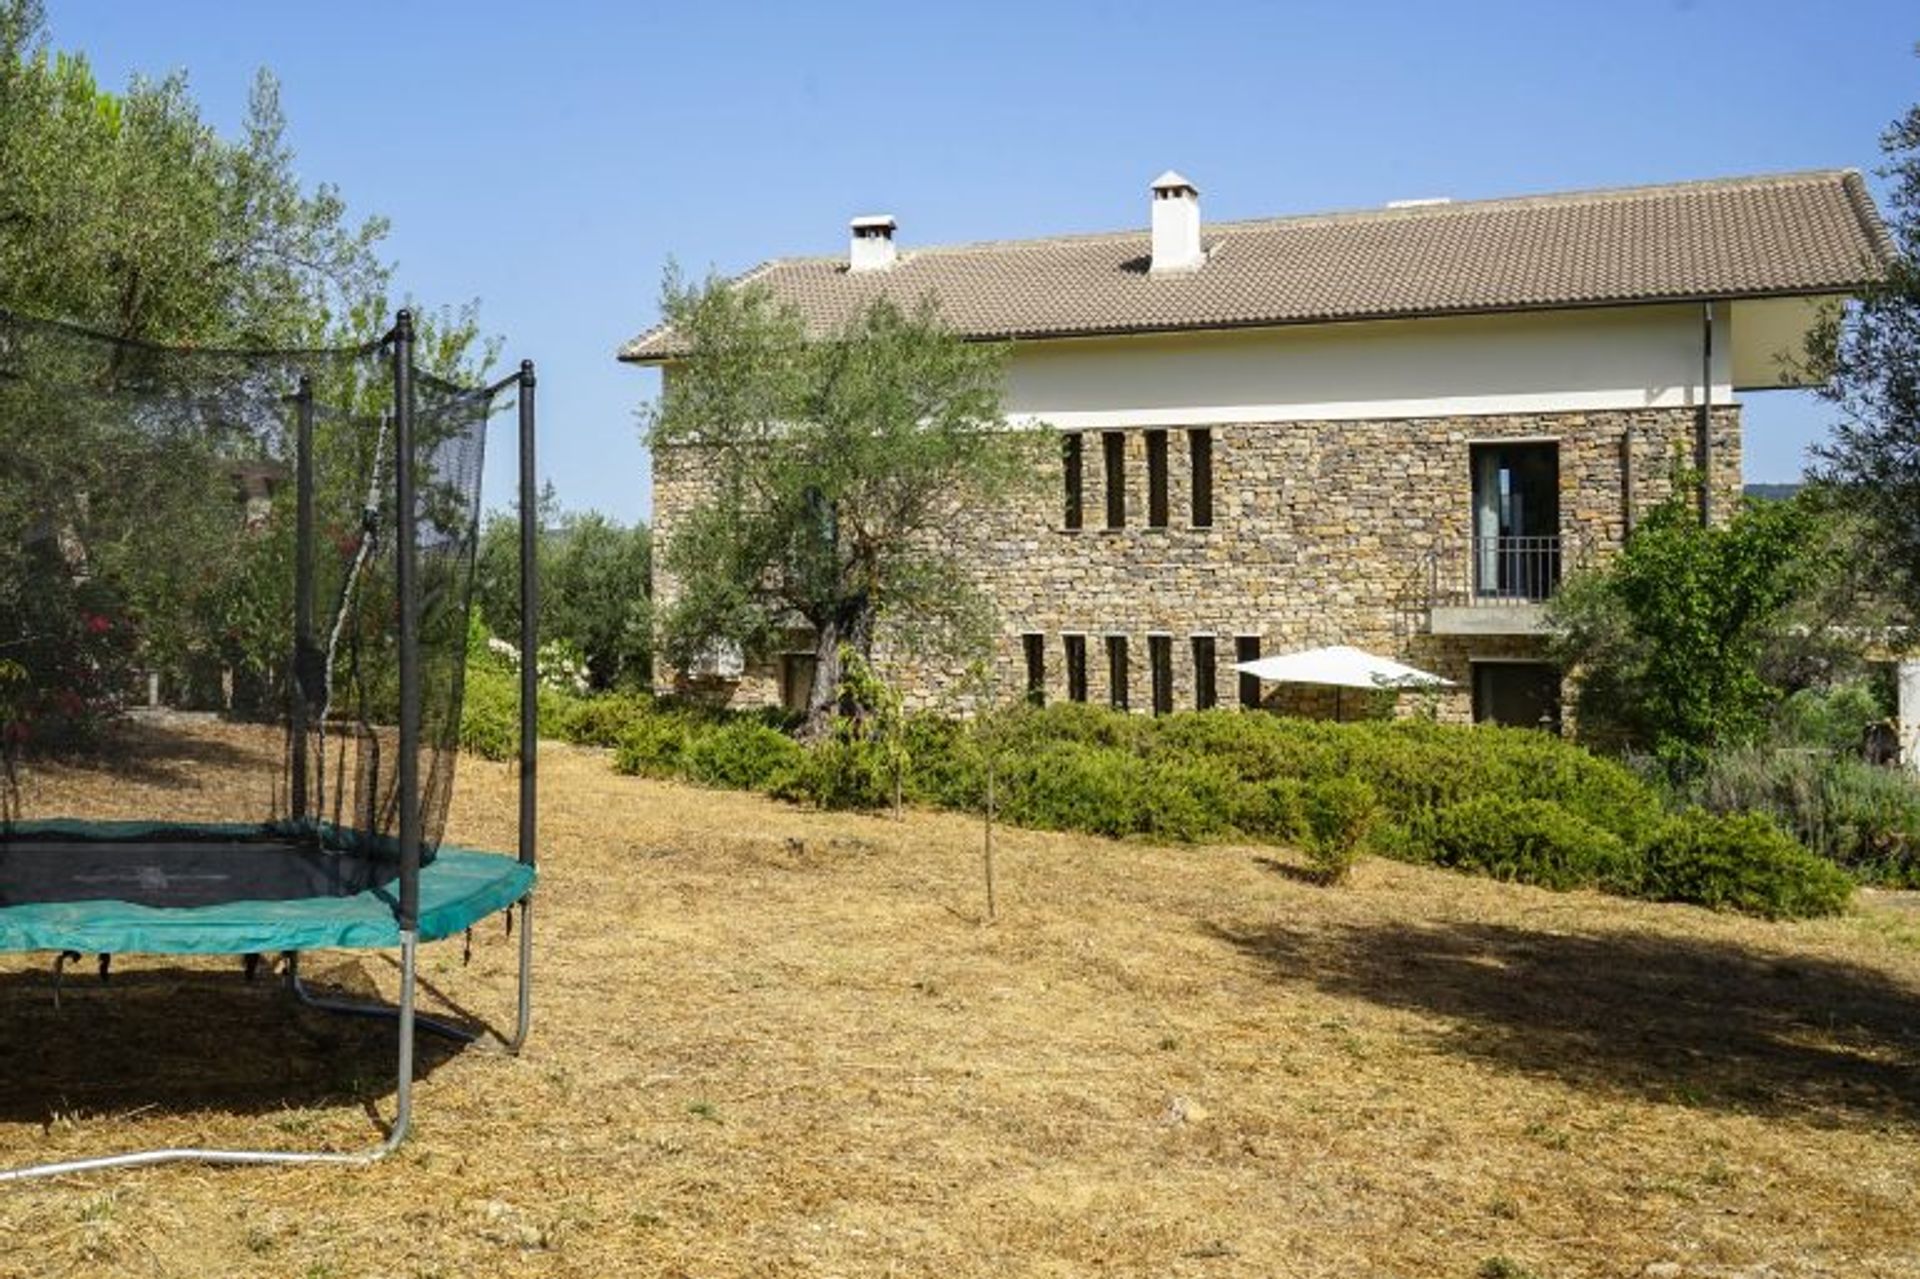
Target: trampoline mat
x,y
160,888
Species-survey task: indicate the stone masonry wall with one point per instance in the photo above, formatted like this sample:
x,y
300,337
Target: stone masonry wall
x,y
1327,532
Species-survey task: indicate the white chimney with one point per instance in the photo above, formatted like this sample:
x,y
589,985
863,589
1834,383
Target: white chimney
x,y
1176,224
872,245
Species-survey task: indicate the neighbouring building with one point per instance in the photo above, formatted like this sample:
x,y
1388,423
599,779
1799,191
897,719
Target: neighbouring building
x,y
1397,428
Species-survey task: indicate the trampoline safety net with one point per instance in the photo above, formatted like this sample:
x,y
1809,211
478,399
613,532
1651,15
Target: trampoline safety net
x,y
156,606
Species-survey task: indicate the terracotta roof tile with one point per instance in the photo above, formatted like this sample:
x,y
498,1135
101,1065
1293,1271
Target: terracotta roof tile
x,y
1781,234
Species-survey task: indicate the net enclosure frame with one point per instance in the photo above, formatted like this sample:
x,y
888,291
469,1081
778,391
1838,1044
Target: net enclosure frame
x,y
376,878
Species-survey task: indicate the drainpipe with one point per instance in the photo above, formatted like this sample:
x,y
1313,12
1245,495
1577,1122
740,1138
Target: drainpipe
x,y
1706,413
1626,482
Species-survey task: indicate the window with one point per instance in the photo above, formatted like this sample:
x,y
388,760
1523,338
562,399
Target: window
x,y
1076,668
1204,696
1200,446
1070,466
1521,694
1160,665
1114,445
1246,648
1117,671
1156,479
1036,647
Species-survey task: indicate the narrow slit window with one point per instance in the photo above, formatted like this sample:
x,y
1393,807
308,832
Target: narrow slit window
x,y
1114,445
1117,671
1036,650
1076,668
1156,479
1246,648
1200,446
1070,466
1160,663
1204,695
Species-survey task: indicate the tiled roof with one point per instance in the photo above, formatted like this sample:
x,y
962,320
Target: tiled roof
x,y
1773,235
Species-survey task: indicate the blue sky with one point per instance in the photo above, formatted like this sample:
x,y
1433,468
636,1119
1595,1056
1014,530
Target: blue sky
x,y
549,159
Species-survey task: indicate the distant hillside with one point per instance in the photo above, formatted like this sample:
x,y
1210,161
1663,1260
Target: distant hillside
x,y
1773,492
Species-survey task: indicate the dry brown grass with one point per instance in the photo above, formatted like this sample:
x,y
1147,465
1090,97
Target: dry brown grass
x,y
776,1042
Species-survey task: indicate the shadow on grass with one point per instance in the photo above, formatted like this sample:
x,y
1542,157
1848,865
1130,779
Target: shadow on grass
x,y
1672,1019
178,1040
144,750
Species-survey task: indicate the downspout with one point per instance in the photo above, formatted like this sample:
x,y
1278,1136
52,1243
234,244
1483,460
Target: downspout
x,y
1626,481
1706,413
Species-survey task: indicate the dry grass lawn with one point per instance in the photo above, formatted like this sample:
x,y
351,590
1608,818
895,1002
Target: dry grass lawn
x,y
774,1042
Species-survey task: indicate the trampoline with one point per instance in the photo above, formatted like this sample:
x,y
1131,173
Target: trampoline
x,y
329,501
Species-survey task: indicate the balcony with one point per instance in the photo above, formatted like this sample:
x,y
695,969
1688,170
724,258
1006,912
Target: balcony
x,y
1493,586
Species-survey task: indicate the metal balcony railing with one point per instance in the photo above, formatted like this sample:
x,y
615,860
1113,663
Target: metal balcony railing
x,y
1495,571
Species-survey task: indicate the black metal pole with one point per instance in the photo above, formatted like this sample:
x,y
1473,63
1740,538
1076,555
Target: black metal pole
x,y
529,618
302,592
1706,414
407,588
1626,482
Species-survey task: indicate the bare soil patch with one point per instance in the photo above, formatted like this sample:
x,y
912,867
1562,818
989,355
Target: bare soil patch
x,y
771,1042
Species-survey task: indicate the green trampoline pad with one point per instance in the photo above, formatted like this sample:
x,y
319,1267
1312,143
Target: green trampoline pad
x,y
458,888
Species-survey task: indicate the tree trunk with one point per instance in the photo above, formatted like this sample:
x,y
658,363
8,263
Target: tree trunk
x,y
850,626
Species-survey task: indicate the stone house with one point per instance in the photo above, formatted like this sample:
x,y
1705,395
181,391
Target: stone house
x,y
1396,428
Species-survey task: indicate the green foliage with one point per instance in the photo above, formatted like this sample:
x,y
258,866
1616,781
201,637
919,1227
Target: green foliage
x,y
1870,355
842,772
1863,818
126,212
490,711
594,588
1742,863
1340,814
1828,719
835,466
1668,638
1075,786
1530,841
1274,810
654,746
1516,805
605,719
743,755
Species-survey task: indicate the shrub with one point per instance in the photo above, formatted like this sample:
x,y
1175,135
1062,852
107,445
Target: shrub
x,y
841,772
1870,822
1340,813
1071,786
605,720
652,746
1530,841
490,713
1865,818
1828,719
946,762
743,755
1742,863
1270,810
1186,801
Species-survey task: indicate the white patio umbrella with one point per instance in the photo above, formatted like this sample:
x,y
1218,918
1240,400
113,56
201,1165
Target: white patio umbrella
x,y
1341,666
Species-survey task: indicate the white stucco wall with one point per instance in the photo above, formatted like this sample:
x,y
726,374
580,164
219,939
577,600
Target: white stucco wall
x,y
1613,358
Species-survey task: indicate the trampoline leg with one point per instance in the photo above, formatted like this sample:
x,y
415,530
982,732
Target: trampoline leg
x,y
396,1133
523,1010
358,1008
